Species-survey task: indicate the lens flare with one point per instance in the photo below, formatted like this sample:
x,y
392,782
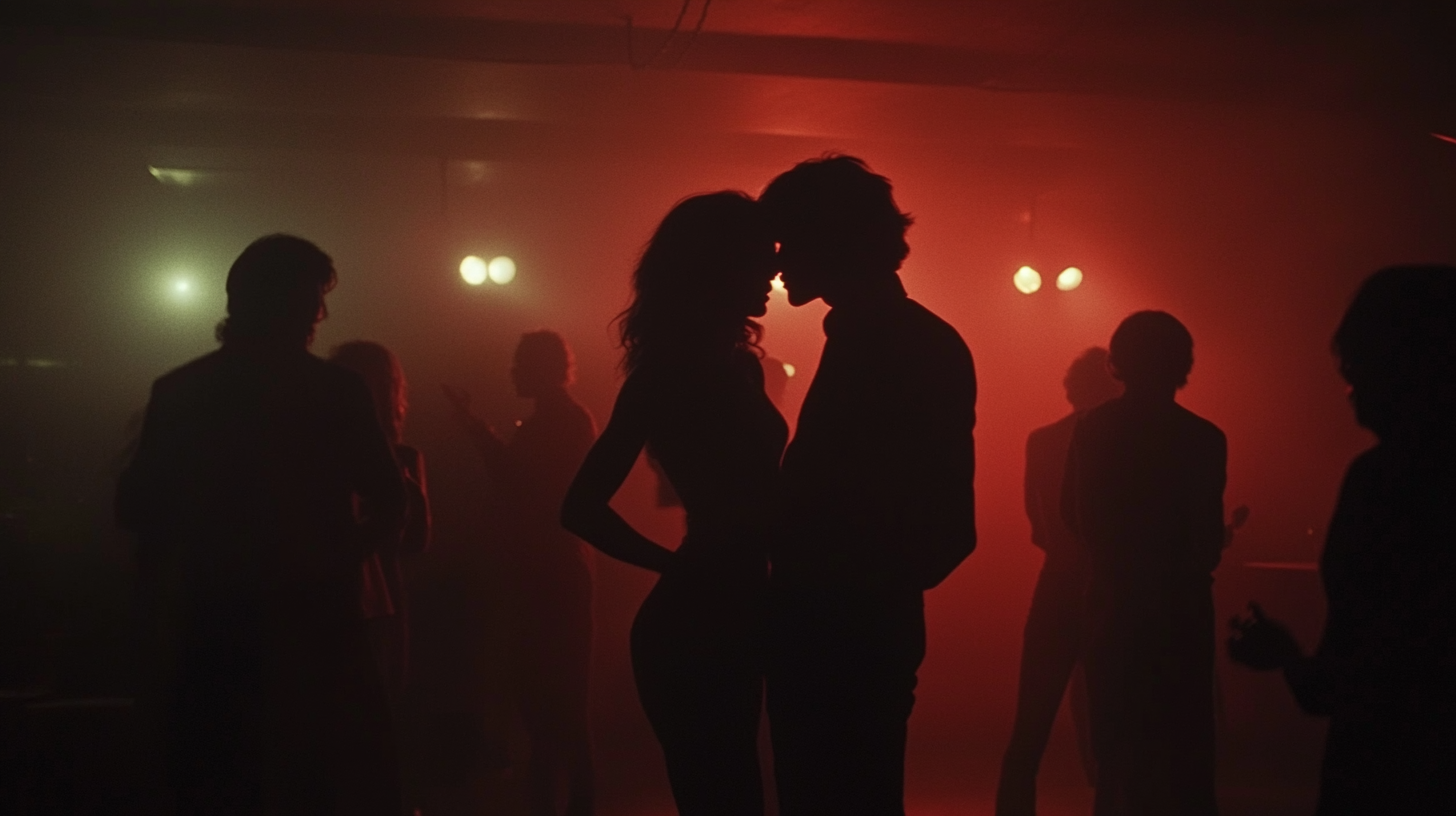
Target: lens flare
x,y
473,270
1026,280
180,288
502,270
790,370
1070,279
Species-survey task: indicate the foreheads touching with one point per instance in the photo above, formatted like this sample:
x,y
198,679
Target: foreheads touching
x,y
834,219
702,278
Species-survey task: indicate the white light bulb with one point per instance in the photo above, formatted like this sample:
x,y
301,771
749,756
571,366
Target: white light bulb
x,y
1026,280
502,270
473,270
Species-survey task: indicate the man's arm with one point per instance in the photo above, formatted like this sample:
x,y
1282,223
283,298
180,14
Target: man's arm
x,y
493,450
419,522
1033,500
943,506
1070,504
139,492
1208,532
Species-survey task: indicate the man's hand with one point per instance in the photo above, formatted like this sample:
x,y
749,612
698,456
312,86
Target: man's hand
x,y
459,400
1261,643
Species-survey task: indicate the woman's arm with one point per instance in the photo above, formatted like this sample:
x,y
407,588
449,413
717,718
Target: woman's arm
x,y
587,511
417,526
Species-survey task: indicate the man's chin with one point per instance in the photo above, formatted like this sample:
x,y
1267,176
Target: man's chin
x,y
796,299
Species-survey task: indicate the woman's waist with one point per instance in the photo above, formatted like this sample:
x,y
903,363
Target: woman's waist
x,y
731,526
723,546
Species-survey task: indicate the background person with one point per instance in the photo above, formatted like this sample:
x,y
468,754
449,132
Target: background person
x,y
1144,494
1053,642
1385,669
551,606
260,485
385,595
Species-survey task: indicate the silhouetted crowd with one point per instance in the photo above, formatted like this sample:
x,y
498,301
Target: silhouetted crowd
x,y
274,502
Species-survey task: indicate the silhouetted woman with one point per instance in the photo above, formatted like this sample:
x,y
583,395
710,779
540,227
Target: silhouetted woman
x,y
385,601
1385,669
694,397
552,577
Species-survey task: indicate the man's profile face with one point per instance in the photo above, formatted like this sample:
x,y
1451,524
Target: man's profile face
x,y
804,268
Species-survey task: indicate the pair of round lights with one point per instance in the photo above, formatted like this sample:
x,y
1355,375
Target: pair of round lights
x,y
1028,280
476,270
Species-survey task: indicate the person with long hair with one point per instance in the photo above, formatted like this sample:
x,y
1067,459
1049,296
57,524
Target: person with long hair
x,y
694,397
385,601
1385,670
261,483
550,572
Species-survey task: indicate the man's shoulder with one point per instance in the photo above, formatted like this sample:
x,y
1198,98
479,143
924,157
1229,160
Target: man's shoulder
x,y
915,316
1367,468
1099,415
931,337
1201,428
579,416
1053,433
190,373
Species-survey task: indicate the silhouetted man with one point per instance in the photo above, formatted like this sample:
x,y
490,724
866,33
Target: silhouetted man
x,y
261,482
550,569
1385,669
877,495
1053,642
1144,492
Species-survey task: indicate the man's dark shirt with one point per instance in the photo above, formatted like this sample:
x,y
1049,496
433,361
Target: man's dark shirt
x,y
878,479
1388,652
1144,490
252,474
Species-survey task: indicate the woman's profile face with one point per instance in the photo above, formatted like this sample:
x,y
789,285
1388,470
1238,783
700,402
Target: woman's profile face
x,y
752,281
